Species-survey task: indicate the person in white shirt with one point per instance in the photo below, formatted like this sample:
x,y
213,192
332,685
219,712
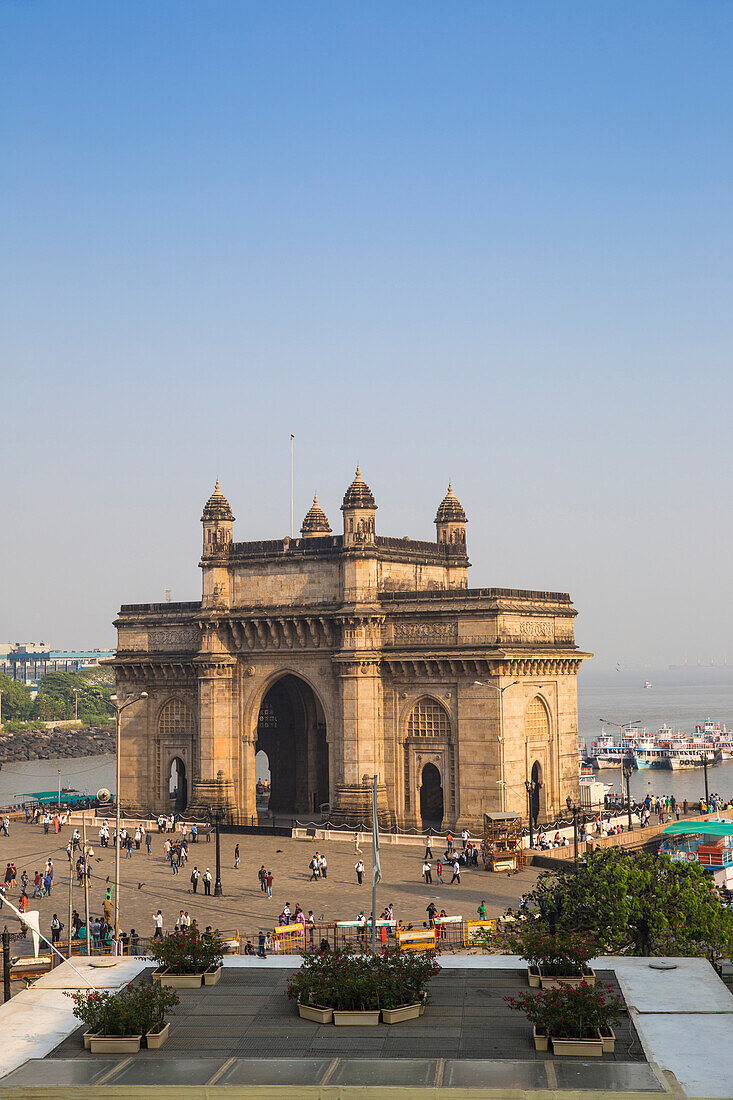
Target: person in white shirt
x,y
456,873
359,868
323,867
158,922
427,871
464,838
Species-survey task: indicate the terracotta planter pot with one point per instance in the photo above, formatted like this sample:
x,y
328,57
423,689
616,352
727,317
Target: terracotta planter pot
x,y
557,981
87,1037
115,1044
579,1048
179,981
398,1015
154,1039
609,1041
317,1013
533,976
540,1040
355,1019
212,975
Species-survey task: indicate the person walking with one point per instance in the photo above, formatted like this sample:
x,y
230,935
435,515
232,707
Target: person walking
x,y
314,867
268,883
56,927
359,868
428,847
427,872
158,923
148,843
323,867
236,857
195,879
456,873
439,870
207,882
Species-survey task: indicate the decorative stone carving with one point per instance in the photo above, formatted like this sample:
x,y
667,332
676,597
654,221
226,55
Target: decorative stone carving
x,y
173,638
427,632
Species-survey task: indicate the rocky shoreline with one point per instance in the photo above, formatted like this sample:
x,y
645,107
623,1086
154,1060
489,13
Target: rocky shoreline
x,y
59,741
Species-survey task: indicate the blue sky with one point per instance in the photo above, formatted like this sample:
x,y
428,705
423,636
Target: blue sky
x,y
487,242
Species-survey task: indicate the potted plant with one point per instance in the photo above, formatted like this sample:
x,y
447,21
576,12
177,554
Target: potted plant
x,y
575,1020
153,1002
402,986
117,1022
188,958
353,986
553,959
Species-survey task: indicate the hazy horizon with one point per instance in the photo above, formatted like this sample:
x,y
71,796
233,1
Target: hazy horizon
x,y
489,244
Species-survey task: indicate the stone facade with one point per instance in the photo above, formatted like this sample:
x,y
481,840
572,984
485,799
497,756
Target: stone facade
x,y
345,656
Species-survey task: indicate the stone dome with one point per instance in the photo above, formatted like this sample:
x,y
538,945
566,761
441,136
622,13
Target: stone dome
x,y
450,510
358,494
316,521
217,507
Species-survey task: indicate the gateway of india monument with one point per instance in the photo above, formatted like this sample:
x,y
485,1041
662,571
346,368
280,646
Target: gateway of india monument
x,y
341,657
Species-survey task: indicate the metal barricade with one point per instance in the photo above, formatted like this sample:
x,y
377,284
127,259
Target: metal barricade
x,y
289,939
471,926
422,940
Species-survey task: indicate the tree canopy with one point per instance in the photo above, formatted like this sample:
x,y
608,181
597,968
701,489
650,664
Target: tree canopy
x,y
55,698
637,903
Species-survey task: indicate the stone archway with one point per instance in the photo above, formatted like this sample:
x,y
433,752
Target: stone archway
x,y
178,786
291,731
431,797
537,797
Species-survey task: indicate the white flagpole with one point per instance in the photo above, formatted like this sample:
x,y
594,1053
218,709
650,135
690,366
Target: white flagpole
x,y
36,931
376,865
292,442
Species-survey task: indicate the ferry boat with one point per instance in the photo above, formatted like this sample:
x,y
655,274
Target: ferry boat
x,y
668,748
609,751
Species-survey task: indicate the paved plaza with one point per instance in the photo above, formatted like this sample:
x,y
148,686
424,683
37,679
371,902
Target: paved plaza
x,y
147,882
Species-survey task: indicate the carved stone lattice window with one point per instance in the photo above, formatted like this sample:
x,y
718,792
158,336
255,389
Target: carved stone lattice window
x,y
176,718
536,721
428,719
267,719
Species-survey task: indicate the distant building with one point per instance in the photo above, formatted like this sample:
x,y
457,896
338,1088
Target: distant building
x,y
30,661
342,657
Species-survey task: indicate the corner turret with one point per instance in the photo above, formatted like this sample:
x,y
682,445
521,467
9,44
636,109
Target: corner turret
x,y
358,507
450,521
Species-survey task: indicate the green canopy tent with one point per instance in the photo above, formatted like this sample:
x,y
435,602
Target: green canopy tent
x,y
52,797
702,828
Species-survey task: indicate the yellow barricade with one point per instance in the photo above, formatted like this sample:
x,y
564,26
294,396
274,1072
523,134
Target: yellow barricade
x,y
289,939
471,926
424,940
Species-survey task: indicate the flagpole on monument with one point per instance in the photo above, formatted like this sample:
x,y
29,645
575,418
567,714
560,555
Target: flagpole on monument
x,y
376,866
292,442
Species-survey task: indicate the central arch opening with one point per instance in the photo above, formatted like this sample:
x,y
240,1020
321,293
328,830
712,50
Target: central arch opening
x,y
177,786
431,797
291,732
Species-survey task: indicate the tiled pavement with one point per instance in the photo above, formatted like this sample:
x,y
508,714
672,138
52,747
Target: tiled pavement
x,y
248,1015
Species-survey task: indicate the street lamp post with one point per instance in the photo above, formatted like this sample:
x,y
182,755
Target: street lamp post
x,y
216,817
501,690
628,768
532,786
119,707
574,811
